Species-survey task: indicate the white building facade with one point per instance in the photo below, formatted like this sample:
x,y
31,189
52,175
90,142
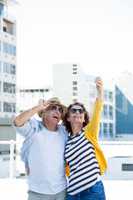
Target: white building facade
x,y
7,72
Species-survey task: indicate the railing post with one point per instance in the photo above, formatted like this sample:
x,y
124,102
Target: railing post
x,y
11,164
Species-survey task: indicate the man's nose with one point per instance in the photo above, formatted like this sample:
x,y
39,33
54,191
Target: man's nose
x,y
57,110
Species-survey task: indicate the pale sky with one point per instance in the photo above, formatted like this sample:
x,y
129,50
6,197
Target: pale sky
x,y
98,34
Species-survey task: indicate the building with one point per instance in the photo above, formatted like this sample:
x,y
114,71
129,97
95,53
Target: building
x,y
119,155
7,74
65,82
27,98
71,84
124,106
107,131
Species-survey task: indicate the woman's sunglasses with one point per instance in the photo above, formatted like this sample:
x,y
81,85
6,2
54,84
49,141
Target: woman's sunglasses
x,y
75,110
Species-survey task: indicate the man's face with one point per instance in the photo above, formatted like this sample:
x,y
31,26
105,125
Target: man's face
x,y
53,114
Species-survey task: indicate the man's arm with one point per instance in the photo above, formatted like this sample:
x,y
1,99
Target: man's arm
x,y
22,118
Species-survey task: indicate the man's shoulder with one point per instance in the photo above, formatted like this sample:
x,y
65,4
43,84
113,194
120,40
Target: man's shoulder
x,y
63,131
61,127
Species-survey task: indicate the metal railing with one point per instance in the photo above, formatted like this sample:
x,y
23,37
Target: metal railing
x,y
12,144
104,144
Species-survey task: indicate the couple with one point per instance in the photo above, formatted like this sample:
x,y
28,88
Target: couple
x,y
50,147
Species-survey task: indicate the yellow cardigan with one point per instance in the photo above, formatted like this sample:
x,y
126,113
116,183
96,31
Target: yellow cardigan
x,y
91,133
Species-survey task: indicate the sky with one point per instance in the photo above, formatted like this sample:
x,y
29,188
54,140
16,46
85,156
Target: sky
x,y
96,34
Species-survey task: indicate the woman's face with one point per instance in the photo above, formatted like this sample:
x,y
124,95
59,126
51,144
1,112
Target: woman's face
x,y
76,115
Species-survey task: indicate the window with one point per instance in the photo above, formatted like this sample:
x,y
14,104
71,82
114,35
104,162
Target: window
x,y
9,68
110,112
9,107
13,50
74,72
6,68
5,47
74,69
111,129
74,82
8,27
9,87
75,88
127,167
12,69
74,65
105,126
74,94
4,28
9,49
105,112
111,96
13,107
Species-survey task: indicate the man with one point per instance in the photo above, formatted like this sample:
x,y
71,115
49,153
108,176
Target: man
x,y
43,150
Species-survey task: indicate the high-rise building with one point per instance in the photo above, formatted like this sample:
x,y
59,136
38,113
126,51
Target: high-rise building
x,y
71,84
108,122
124,106
7,73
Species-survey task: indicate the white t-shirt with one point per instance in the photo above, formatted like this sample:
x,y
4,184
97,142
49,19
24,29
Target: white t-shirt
x,y
45,157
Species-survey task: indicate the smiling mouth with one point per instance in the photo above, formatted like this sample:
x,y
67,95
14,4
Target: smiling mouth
x,y
77,117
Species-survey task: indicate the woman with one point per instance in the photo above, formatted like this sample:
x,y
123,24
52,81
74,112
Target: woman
x,y
84,158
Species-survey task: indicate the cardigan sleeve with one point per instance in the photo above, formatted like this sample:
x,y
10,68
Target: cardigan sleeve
x,y
92,128
67,170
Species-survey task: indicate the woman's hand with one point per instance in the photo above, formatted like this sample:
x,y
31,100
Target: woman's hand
x,y
99,86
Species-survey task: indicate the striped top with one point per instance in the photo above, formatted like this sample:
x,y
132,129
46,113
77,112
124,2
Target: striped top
x,y
84,168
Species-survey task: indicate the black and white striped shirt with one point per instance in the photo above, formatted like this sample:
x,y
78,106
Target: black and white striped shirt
x,y
84,168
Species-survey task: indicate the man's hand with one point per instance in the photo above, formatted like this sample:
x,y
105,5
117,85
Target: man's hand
x,y
22,118
42,104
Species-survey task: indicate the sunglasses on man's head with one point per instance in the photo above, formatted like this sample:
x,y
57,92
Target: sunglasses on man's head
x,y
75,110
